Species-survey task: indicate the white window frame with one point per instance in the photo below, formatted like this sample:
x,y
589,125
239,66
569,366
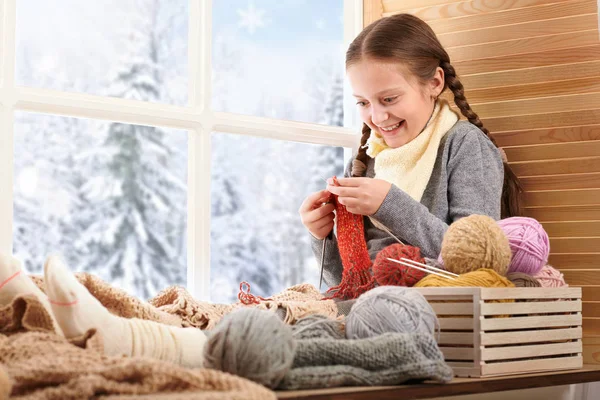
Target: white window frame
x,y
197,118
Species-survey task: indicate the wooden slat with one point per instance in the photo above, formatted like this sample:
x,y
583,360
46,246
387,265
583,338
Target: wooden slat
x,y
588,101
573,229
591,293
473,7
553,151
578,277
495,338
564,213
514,16
546,321
526,293
560,182
452,308
537,59
455,338
463,324
540,307
547,135
575,245
535,90
571,197
523,46
399,5
539,121
457,353
539,350
591,327
532,365
518,31
591,309
372,11
528,76
576,261
556,166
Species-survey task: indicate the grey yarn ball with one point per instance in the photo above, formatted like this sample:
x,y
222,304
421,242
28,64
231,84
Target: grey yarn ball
x,y
251,343
318,327
390,309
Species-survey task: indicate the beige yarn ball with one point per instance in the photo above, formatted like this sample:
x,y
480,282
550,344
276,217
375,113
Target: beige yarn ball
x,y
475,242
5,384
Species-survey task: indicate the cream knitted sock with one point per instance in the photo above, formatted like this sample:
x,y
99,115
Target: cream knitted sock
x,y
14,282
77,311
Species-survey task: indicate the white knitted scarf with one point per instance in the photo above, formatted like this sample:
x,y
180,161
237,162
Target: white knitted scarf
x,y
409,166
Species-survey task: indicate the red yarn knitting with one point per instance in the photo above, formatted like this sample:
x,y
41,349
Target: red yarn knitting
x,y
356,276
387,272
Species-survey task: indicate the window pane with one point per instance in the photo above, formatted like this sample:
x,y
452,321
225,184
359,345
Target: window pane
x,y
279,59
257,188
110,197
135,49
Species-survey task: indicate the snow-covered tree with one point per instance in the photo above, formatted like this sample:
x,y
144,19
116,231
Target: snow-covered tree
x,y
138,198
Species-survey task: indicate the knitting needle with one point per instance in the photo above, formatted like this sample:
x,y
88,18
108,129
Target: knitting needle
x,y
323,249
429,266
422,269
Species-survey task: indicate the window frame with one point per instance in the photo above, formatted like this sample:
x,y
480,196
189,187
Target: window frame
x,y
196,117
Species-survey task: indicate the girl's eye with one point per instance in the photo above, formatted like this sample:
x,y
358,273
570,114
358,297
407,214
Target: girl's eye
x,y
361,103
389,99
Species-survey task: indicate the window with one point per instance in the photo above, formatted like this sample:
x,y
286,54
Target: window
x,y
152,142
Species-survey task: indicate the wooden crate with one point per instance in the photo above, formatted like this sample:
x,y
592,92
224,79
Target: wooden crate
x,y
503,331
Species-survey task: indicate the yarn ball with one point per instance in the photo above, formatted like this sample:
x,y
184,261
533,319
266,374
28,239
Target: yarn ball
x,y
390,309
475,242
528,243
318,327
550,277
5,384
522,280
483,277
251,343
387,272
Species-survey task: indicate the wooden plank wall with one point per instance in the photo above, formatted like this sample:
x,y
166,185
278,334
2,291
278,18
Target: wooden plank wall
x,y
531,70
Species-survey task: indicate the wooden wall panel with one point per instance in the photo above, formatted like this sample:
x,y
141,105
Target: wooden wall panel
x,y
576,261
530,70
549,10
452,9
547,135
573,197
565,150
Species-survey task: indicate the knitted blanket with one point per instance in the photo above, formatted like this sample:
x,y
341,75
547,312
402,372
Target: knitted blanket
x,y
324,358
43,365
176,306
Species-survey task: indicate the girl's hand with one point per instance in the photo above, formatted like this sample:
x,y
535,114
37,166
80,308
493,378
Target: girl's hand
x,y
360,195
316,216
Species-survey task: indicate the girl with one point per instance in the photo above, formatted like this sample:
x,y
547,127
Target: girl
x,y
418,168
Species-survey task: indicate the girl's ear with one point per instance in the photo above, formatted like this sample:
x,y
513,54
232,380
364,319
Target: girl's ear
x,y
436,84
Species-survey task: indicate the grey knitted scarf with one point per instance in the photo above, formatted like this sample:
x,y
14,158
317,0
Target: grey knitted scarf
x,y
324,358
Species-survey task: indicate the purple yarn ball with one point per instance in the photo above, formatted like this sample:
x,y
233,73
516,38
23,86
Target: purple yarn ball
x,y
528,242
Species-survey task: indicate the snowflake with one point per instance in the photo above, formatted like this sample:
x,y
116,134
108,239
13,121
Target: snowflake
x,y
251,18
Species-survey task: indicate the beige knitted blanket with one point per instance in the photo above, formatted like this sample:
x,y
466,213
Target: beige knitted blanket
x,y
42,365
175,306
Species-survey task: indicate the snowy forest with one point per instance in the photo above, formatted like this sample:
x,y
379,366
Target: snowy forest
x,y
111,198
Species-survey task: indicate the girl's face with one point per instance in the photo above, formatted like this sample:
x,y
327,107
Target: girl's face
x,y
392,102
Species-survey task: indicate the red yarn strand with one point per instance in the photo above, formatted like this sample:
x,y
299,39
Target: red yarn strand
x,y
246,298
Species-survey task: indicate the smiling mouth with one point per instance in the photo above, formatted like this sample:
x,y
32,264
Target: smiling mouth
x,y
392,128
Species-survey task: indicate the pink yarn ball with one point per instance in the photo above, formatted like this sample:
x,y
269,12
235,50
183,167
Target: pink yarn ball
x,y
528,243
550,277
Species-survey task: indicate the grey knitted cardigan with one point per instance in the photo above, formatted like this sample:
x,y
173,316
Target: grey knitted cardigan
x,y
325,358
467,179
